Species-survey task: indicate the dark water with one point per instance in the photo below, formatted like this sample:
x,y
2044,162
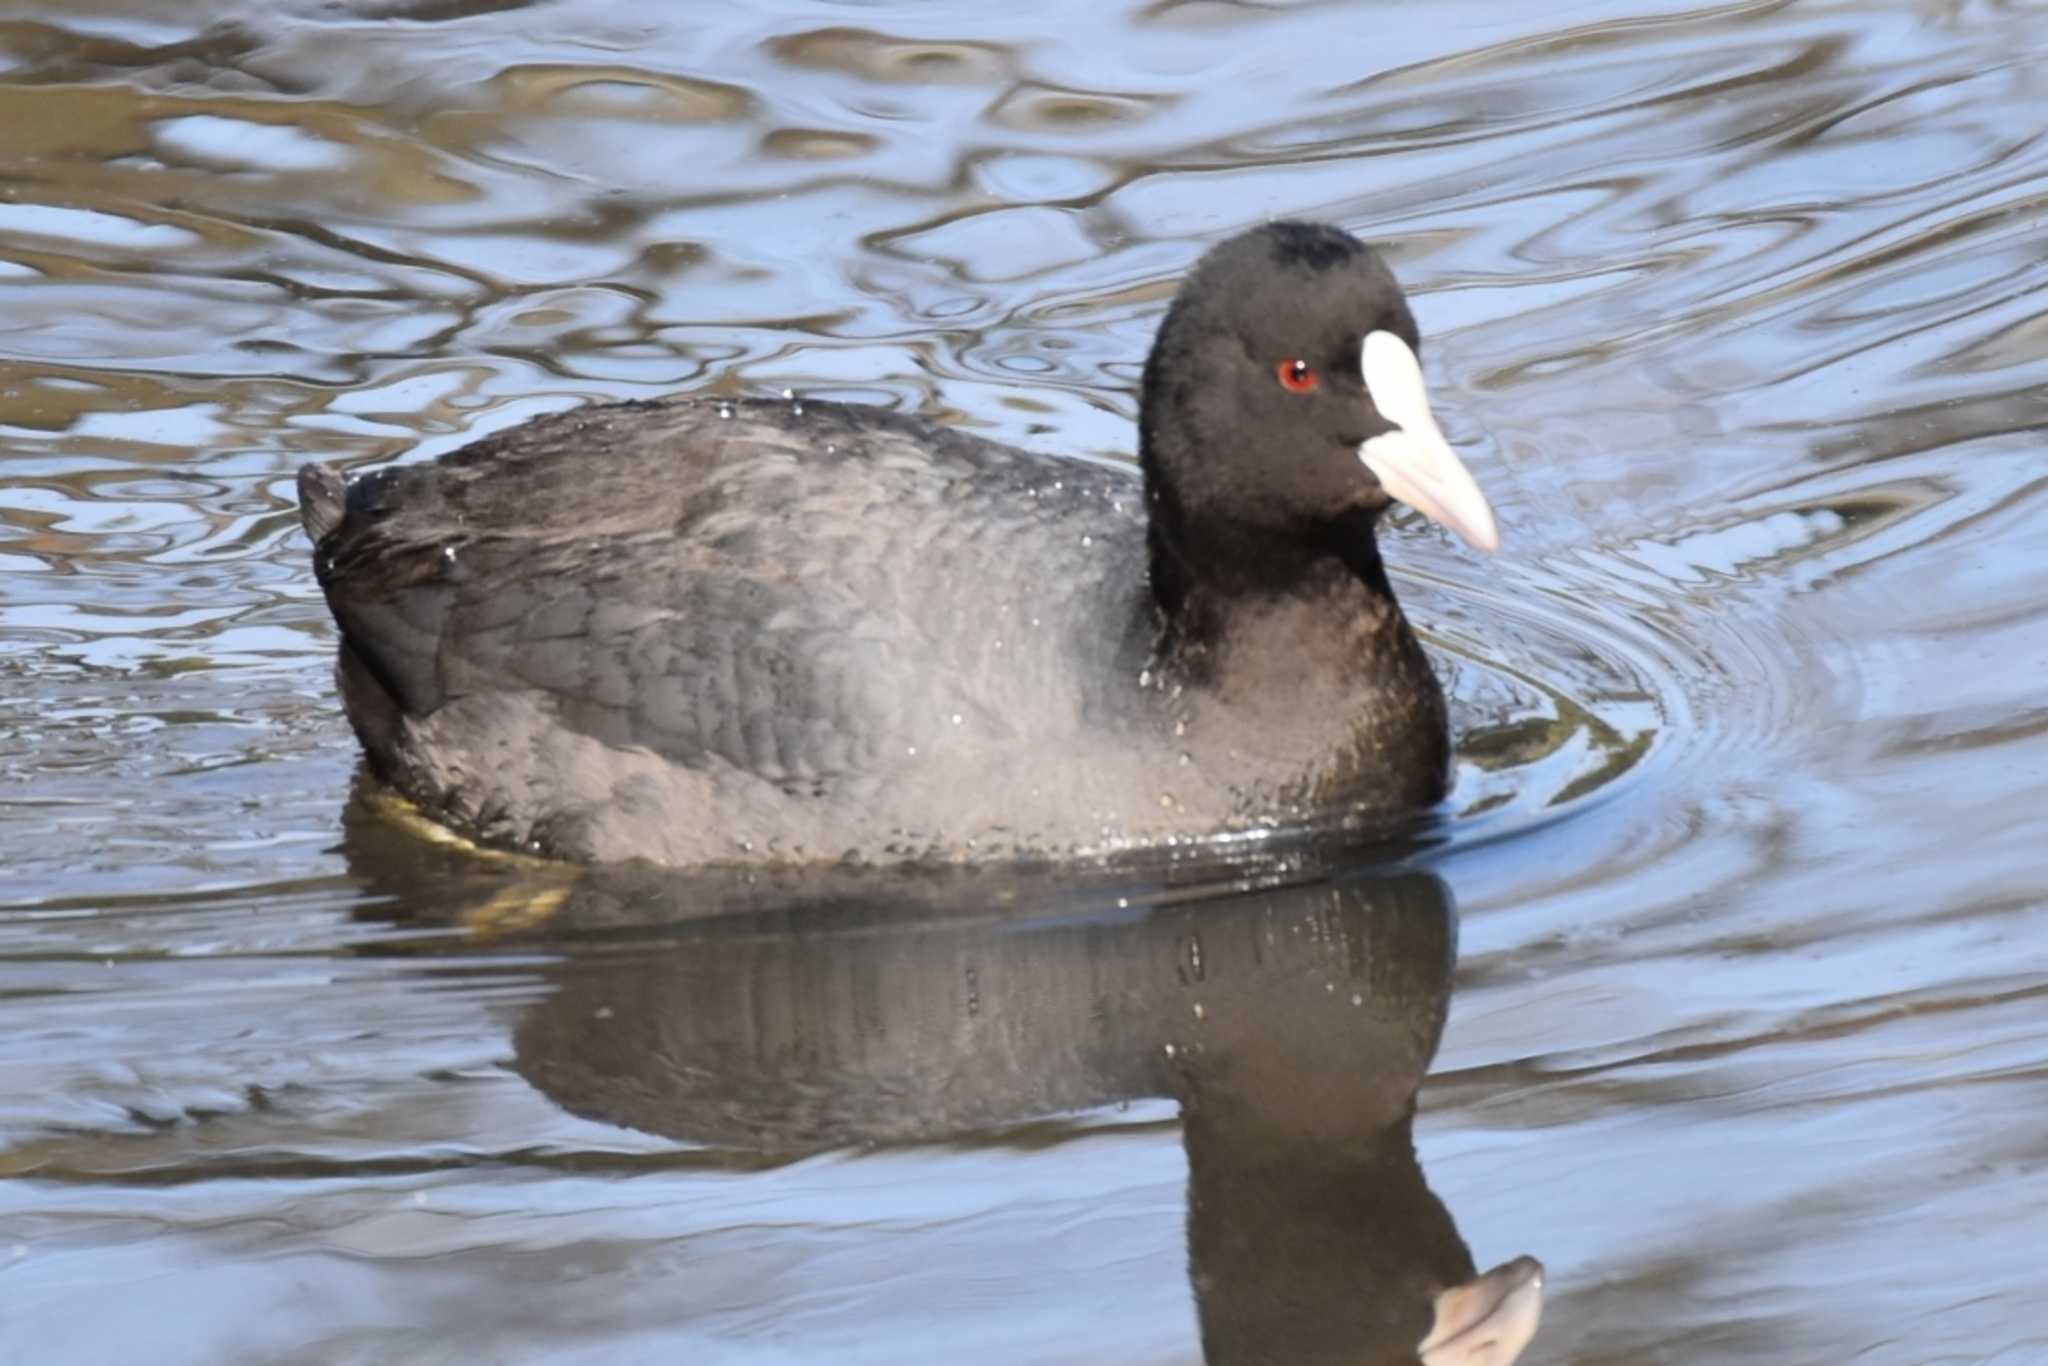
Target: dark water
x,y
1736,311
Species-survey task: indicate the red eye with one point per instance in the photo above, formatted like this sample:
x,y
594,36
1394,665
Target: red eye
x,y
1297,376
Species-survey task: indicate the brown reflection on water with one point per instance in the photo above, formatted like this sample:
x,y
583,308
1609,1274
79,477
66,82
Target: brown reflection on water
x,y
1735,309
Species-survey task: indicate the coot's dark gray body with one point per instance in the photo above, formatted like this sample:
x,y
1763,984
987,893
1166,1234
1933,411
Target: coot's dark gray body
x,y
699,631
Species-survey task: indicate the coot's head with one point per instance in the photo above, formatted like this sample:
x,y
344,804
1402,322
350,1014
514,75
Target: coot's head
x,y
1283,409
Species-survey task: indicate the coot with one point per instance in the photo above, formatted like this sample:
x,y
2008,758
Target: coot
x,y
699,630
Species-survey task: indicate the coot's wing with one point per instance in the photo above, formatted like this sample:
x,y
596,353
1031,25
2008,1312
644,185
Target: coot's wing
x,y
696,657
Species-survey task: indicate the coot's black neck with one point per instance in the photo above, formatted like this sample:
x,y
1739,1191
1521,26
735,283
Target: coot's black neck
x,y
1207,574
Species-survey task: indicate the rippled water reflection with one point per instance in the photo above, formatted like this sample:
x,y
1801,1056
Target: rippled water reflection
x,y
1736,311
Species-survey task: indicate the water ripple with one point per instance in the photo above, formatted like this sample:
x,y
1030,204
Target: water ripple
x,y
1736,309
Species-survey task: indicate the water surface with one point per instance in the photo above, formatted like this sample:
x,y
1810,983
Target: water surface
x,y
1735,310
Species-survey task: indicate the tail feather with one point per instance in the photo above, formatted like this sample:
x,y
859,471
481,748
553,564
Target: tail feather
x,y
323,500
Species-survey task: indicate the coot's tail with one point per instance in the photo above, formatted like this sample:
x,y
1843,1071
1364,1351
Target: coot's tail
x,y
366,694
323,500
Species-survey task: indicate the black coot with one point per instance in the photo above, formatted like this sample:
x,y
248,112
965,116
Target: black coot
x,y
697,630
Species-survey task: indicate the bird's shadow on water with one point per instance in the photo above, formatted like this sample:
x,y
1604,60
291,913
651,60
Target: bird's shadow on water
x,y
1289,999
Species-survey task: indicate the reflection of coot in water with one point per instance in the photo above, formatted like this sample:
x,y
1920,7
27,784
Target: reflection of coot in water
x,y
699,631
1292,1024
1311,1231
